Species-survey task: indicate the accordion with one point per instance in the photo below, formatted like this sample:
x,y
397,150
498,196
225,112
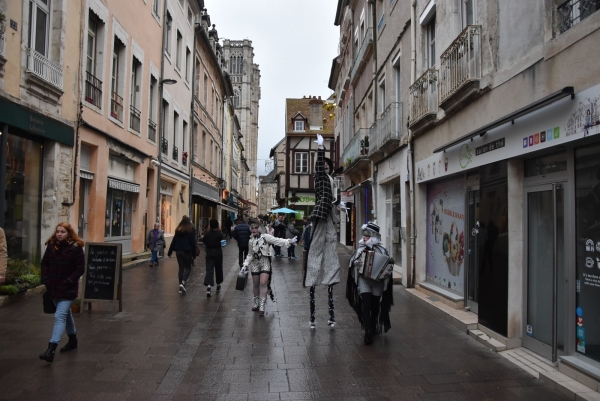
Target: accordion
x,y
375,265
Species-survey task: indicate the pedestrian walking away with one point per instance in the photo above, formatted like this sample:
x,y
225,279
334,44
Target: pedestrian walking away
x,y
322,257
184,246
155,241
371,299
291,232
214,257
242,235
280,228
63,264
258,263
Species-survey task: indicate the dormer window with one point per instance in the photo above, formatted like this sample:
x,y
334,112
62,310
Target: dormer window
x,y
298,125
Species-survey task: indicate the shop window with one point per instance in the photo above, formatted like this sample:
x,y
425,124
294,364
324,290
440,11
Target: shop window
x,y
546,164
587,212
118,213
22,198
393,217
165,213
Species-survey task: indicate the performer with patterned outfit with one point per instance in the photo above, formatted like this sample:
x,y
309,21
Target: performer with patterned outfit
x,y
258,262
371,299
322,256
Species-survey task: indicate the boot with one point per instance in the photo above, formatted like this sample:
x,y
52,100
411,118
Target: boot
x,y
72,344
368,336
255,305
312,307
331,321
262,302
48,355
375,315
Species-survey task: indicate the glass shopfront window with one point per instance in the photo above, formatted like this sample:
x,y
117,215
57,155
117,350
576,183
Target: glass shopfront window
x,y
22,197
587,211
118,213
392,221
165,213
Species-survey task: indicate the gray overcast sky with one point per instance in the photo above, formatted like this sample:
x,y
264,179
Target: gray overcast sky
x,y
294,44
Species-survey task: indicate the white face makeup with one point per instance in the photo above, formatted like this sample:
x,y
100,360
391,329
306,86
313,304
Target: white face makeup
x,y
326,168
61,233
366,238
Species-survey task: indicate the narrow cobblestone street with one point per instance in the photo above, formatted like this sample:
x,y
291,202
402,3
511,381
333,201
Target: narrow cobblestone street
x,y
167,346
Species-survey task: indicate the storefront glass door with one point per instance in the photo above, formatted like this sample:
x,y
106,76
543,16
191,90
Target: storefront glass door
x,y
545,323
473,249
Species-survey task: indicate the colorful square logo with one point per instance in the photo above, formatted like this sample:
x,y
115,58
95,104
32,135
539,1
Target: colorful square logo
x,y
530,140
556,132
525,142
543,136
549,135
581,333
536,139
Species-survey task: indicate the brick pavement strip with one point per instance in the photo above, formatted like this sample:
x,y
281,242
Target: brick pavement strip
x,y
167,346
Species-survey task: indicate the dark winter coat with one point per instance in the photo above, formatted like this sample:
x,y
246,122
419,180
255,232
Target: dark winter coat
x,y
184,242
242,234
212,242
323,189
62,265
279,228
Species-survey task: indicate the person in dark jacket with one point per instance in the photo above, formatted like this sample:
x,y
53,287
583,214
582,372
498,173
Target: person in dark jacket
x,y
242,236
214,256
155,241
280,228
62,266
184,245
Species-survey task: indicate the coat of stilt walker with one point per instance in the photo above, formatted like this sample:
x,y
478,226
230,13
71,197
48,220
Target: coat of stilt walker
x,y
322,256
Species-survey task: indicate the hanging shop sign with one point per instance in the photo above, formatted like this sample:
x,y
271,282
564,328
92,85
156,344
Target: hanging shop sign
x,y
563,121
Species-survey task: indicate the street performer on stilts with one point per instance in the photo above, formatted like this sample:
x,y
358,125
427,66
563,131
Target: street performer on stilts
x,y
322,256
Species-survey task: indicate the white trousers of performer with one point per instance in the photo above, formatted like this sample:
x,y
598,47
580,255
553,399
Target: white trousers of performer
x,y
322,255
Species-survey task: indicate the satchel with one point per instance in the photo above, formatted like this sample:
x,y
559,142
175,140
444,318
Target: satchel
x,y
48,303
242,279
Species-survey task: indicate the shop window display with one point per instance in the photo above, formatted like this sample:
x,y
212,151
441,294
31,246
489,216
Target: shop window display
x,y
118,213
22,198
393,221
587,209
165,213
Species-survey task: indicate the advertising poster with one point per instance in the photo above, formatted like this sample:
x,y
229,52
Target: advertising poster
x,y
446,234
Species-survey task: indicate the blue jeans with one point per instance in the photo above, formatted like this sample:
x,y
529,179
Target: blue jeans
x,y
154,258
62,318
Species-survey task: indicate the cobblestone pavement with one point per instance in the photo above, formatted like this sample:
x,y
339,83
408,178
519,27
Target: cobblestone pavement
x,y
167,346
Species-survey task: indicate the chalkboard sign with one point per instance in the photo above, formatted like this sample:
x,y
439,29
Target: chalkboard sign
x,y
102,279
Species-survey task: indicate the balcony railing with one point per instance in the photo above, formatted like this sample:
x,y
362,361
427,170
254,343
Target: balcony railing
x,y
93,90
152,130
423,95
134,119
571,12
164,146
116,106
461,62
356,147
388,128
45,69
175,153
360,59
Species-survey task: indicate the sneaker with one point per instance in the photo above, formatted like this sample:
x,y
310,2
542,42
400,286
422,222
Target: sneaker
x,y
219,288
208,294
331,323
182,289
293,257
312,325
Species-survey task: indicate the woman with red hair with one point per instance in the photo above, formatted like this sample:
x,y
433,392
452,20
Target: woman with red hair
x,y
62,266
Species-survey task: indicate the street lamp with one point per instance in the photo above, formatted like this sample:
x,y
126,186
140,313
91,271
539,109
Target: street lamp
x,y
160,141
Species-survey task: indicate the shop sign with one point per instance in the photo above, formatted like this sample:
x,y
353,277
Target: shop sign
x,y
35,123
563,121
348,197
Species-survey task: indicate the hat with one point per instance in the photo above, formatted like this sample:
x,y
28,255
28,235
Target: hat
x,y
371,229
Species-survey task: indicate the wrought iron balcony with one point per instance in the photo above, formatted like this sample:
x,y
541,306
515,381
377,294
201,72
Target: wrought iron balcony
x,y
134,119
164,146
152,130
424,99
93,90
387,133
357,147
571,12
2,46
44,69
460,70
116,106
361,57
175,153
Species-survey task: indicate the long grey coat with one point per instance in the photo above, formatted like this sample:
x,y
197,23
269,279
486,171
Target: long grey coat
x,y
160,240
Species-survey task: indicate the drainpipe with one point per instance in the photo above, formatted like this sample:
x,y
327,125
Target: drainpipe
x,y
411,148
191,153
375,104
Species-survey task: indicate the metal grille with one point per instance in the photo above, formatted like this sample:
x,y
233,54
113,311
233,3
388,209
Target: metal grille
x,y
164,146
93,90
571,12
45,69
116,106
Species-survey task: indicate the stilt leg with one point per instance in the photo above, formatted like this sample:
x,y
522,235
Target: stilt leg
x,y
312,307
331,321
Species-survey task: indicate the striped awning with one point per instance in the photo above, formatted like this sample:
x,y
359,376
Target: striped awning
x,y
86,175
123,185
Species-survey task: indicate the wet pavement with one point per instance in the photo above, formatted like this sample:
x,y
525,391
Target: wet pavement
x,y
167,346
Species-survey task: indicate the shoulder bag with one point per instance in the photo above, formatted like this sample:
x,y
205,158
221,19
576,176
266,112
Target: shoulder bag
x,y
48,303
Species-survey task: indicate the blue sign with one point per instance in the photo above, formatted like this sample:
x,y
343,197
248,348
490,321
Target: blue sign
x,y
581,333
579,311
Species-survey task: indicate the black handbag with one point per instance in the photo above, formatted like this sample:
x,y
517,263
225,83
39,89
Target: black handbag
x,y
242,279
49,306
